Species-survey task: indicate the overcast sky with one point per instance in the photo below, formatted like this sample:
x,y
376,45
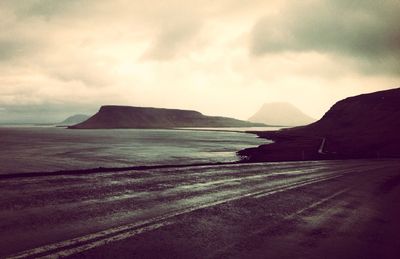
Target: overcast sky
x,y
59,57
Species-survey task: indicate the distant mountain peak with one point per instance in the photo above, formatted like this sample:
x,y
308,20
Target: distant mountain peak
x,y
281,114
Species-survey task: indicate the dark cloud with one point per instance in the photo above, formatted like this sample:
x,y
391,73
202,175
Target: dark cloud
x,y
14,48
43,8
10,49
368,31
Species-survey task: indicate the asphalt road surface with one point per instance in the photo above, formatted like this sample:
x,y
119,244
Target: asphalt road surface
x,y
324,209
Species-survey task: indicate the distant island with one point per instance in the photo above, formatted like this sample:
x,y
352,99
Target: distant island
x,y
120,117
363,126
74,119
281,114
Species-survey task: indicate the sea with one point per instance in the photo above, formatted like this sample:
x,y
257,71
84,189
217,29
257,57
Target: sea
x,y
48,148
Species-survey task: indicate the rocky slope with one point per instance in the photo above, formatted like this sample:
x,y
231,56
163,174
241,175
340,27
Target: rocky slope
x,y
110,117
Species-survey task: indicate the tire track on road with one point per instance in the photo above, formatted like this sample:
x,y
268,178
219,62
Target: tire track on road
x,y
83,243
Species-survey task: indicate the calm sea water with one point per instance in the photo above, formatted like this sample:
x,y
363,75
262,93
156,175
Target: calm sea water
x,y
39,149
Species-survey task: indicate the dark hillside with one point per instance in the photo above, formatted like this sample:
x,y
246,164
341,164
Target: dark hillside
x,y
363,126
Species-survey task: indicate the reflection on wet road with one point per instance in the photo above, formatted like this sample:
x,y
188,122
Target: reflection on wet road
x,y
67,215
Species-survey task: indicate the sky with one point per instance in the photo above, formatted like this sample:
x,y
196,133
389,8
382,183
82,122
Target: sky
x,y
226,57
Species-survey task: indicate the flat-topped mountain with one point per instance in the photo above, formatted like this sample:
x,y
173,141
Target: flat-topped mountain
x,y
282,114
74,119
363,126
113,116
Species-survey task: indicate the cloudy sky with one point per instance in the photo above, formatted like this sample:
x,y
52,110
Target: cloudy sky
x,y
227,57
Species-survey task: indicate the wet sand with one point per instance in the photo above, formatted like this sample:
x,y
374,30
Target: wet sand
x,y
324,209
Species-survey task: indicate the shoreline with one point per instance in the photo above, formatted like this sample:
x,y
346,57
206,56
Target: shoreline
x,y
289,145
286,146
109,170
99,170
96,167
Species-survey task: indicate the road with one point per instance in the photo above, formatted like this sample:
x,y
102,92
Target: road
x,y
314,209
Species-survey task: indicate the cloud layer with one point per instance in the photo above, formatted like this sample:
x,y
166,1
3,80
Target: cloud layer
x,y
367,32
220,57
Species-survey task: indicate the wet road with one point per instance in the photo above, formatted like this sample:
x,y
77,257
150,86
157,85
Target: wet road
x,y
334,209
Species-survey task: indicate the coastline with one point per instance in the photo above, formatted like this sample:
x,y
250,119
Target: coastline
x,y
95,167
285,147
296,144
289,144
108,170
58,149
